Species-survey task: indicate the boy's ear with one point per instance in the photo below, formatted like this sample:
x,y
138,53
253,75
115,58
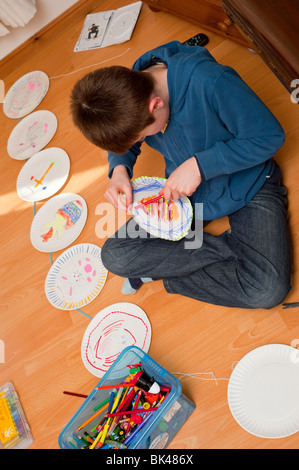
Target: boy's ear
x,y
155,104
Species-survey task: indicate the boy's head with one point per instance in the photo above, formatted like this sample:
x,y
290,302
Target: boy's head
x,y
111,106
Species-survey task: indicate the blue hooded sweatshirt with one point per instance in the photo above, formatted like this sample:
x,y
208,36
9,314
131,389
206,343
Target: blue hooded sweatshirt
x,y
217,118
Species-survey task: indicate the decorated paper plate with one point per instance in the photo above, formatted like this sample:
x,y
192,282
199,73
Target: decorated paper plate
x,y
76,278
26,94
43,175
58,222
31,134
170,220
263,391
110,331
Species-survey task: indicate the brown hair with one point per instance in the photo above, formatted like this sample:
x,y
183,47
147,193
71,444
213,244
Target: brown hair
x,y
110,106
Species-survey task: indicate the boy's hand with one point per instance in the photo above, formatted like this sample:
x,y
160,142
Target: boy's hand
x,y
183,181
120,184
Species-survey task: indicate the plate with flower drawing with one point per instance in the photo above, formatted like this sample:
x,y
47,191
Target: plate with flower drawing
x,y
26,94
76,278
31,134
58,222
112,329
170,220
43,174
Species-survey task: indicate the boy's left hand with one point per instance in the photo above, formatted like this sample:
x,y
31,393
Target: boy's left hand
x,y
183,181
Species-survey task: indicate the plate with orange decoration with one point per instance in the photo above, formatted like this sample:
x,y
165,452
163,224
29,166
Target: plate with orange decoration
x,y
167,219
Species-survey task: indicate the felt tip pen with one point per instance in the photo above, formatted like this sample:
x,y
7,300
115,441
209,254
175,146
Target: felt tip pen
x,y
133,434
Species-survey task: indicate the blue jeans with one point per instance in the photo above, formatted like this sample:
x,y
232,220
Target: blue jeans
x,y
248,266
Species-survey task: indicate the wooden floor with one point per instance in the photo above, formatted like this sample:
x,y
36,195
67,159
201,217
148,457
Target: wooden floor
x,y
42,343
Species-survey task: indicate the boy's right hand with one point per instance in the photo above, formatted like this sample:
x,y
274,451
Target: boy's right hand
x,y
119,190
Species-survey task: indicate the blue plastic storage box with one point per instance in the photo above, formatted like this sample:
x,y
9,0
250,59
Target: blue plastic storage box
x,y
165,422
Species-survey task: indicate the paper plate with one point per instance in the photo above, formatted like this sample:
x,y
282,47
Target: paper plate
x,y
76,278
170,220
43,175
58,222
110,331
26,94
263,391
31,134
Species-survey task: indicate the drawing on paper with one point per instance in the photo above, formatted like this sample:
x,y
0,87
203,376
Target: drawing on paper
x,y
64,219
170,220
39,182
111,330
79,275
26,94
58,222
76,277
162,209
29,91
31,134
43,174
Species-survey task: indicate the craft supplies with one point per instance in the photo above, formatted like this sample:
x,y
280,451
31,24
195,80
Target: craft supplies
x,y
15,432
129,422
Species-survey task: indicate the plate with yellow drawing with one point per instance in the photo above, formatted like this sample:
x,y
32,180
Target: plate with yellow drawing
x,y
58,222
167,219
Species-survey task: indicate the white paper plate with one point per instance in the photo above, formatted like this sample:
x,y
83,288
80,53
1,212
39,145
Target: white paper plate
x,y
110,331
263,391
76,278
58,222
43,175
155,219
31,134
26,94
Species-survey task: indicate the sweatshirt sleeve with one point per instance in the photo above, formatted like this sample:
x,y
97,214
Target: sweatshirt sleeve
x,y
256,133
128,159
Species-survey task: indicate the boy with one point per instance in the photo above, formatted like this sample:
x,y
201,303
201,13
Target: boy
x,y
218,141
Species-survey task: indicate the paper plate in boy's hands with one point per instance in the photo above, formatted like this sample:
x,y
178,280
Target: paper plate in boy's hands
x,y
31,134
26,94
110,331
170,220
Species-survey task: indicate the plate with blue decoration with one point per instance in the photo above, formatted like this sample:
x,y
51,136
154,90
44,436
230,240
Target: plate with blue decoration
x,y
58,222
167,219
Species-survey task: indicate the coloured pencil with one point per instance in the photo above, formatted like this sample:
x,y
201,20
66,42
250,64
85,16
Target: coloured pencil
x,y
93,416
153,199
101,404
106,387
75,394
